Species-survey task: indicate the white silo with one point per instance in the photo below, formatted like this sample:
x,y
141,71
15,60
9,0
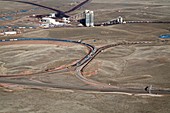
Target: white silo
x,y
91,18
87,18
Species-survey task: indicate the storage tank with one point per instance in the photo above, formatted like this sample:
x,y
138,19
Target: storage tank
x,y
91,18
87,18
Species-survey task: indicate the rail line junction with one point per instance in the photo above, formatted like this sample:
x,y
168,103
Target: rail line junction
x,y
78,68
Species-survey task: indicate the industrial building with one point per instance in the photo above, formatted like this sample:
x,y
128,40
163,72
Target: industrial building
x,y
89,18
47,22
118,20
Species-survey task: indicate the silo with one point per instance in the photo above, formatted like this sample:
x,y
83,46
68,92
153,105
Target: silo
x,y
91,18
87,18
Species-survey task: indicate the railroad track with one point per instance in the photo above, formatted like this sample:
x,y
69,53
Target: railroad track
x,y
81,64
60,13
131,22
50,70
103,87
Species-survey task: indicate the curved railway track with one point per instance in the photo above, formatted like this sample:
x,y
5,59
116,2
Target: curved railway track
x,y
89,47
81,64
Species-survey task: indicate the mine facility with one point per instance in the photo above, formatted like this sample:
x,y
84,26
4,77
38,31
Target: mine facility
x,y
60,18
66,56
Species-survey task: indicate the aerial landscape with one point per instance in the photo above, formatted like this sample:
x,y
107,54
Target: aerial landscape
x,y
84,56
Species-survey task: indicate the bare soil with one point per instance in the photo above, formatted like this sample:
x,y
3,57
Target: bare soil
x,y
125,66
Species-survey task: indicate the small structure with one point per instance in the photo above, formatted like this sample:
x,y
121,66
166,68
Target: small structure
x,y
48,20
43,25
149,89
66,20
119,20
10,32
53,15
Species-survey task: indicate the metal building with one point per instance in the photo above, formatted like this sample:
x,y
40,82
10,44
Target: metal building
x,y
89,18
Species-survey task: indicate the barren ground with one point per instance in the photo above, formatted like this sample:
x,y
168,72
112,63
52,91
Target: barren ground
x,y
125,66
